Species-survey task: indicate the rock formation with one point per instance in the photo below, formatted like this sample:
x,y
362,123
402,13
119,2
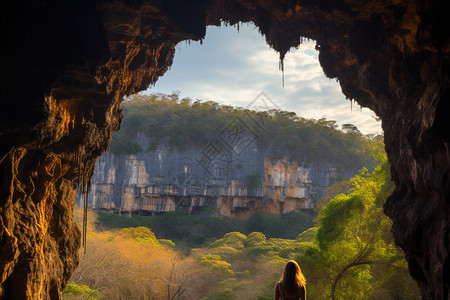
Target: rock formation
x,y
66,65
166,179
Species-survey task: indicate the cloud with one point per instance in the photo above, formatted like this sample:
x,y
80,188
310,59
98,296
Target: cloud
x,y
232,69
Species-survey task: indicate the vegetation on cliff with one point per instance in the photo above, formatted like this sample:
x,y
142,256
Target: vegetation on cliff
x,y
179,123
348,254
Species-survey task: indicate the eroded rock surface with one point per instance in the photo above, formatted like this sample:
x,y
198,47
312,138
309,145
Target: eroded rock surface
x,y
66,65
166,179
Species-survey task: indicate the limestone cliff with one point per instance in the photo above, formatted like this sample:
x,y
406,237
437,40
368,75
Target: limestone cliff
x,y
169,179
66,65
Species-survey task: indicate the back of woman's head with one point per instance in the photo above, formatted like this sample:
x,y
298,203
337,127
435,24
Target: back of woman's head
x,y
293,278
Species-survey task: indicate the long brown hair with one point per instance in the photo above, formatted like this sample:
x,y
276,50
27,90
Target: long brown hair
x,y
293,278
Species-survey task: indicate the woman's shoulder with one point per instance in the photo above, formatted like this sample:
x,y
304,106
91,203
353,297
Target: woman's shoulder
x,y
302,292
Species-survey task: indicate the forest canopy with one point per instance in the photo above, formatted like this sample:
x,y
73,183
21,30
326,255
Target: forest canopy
x,y
180,123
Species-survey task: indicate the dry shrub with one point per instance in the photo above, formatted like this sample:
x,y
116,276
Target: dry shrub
x,y
129,264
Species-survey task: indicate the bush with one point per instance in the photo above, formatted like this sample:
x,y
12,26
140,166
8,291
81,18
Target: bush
x,y
231,239
197,239
167,243
254,238
75,291
308,235
214,262
226,294
224,251
140,234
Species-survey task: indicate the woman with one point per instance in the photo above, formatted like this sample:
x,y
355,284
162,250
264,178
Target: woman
x,y
293,284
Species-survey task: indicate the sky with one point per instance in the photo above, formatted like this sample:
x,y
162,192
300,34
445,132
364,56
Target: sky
x,y
240,69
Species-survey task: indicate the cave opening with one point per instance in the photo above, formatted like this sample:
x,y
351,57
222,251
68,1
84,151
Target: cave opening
x,y
309,47
73,62
217,69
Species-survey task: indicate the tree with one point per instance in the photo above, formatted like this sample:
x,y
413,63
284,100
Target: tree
x,y
340,187
353,242
350,128
254,238
184,273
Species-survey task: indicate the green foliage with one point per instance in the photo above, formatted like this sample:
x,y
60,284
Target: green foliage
x,y
183,123
235,244
229,288
254,238
264,296
224,251
124,144
167,243
232,239
226,294
350,128
214,262
282,226
75,291
141,234
339,187
308,235
335,218
394,282
177,226
185,228
282,248
114,221
197,239
353,253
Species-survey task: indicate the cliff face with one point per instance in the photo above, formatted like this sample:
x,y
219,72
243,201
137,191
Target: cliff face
x,y
66,65
240,185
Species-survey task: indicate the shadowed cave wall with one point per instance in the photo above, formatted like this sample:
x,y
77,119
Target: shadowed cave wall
x,y
66,65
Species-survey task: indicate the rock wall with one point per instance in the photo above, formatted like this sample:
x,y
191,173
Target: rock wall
x,y
66,65
240,185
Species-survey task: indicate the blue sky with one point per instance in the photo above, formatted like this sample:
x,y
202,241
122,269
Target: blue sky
x,y
234,68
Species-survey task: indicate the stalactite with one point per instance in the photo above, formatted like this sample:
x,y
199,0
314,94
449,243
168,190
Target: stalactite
x,y
281,67
85,171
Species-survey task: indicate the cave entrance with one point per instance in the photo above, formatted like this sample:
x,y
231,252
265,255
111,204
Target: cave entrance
x,y
218,70
69,64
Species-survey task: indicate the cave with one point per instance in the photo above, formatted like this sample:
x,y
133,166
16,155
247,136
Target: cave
x,y
67,65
